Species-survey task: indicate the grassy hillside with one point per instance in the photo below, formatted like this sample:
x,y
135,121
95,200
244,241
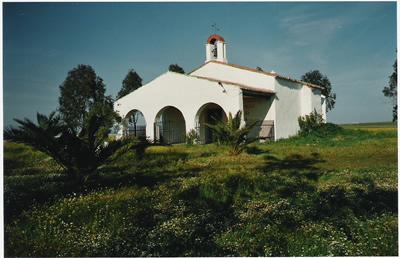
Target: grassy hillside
x,y
305,196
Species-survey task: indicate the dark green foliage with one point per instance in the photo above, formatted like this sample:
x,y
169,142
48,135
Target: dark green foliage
x,y
390,91
328,129
79,153
131,83
314,125
81,92
310,123
136,145
176,68
317,78
230,133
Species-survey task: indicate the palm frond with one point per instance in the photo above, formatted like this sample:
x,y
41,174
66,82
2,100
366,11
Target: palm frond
x,y
231,132
80,154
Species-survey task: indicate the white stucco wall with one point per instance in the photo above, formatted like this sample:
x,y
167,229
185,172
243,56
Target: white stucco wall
x,y
323,107
184,92
310,100
306,99
316,100
233,74
292,101
288,107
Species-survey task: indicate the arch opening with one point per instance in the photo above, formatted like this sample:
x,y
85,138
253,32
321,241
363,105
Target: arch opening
x,y
169,126
134,124
209,113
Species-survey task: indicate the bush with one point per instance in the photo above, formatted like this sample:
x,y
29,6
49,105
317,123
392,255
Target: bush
x,y
310,123
313,124
231,134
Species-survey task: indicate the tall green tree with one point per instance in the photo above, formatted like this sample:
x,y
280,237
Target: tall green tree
x,y
81,92
131,83
176,68
317,78
390,91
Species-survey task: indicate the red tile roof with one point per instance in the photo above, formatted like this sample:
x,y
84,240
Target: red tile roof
x,y
214,37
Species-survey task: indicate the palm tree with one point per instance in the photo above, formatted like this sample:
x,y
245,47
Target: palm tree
x,y
230,133
79,153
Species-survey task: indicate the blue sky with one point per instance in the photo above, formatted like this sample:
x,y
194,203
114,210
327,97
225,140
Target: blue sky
x,y
354,44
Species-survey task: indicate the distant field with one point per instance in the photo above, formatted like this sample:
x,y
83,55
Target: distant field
x,y
373,127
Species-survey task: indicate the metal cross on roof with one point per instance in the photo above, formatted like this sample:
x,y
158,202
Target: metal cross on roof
x,y
214,27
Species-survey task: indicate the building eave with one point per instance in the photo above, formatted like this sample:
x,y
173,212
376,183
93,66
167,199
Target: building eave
x,y
241,86
261,72
299,81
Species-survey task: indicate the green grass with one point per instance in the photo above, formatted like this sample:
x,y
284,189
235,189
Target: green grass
x,y
305,196
23,160
380,126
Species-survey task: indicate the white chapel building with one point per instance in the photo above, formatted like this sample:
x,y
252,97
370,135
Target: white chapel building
x,y
173,104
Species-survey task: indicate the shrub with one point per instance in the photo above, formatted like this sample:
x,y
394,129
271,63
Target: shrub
x,y
313,124
310,123
231,133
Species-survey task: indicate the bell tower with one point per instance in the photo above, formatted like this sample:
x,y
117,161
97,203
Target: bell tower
x,y
216,49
